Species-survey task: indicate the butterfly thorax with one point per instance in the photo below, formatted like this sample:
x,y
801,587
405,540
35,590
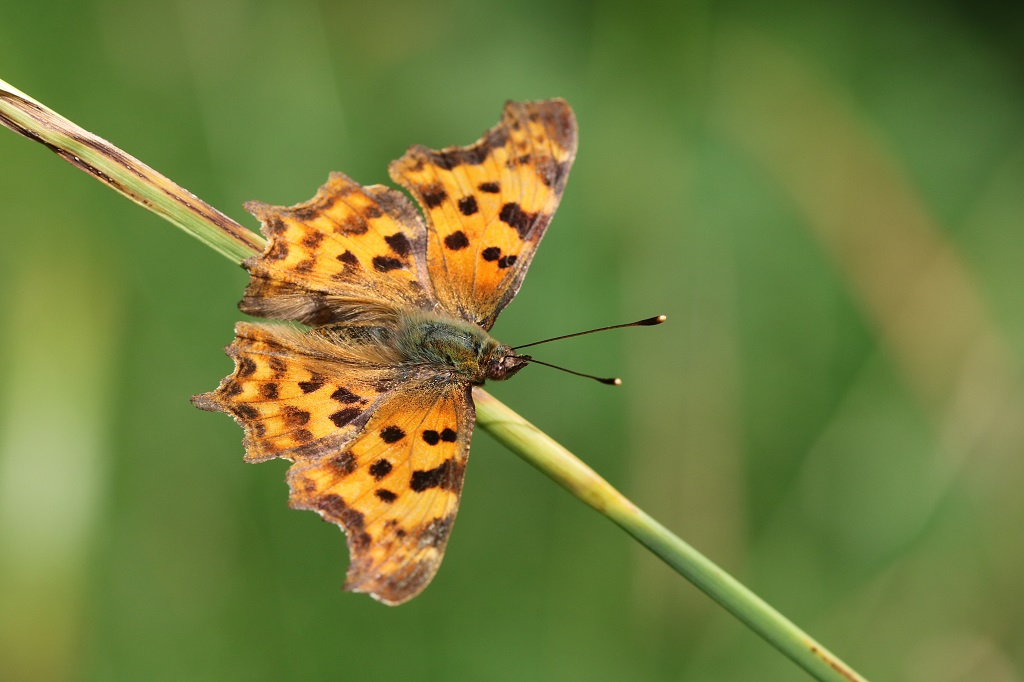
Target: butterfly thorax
x,y
464,347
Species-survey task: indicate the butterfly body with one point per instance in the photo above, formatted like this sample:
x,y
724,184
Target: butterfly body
x,y
373,404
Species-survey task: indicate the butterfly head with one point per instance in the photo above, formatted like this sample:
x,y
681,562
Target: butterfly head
x,y
502,362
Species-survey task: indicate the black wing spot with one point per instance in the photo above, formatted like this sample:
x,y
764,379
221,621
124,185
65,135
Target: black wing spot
x,y
273,225
331,504
489,187
431,437
456,240
449,436
312,239
445,160
345,396
491,253
293,416
507,261
437,477
269,391
302,435
246,366
386,263
468,205
278,251
518,219
353,225
343,417
348,258
305,266
385,495
399,243
391,434
245,411
380,469
278,366
305,213
311,385
434,195
456,157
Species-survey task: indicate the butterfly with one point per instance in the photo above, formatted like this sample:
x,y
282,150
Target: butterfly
x,y
371,401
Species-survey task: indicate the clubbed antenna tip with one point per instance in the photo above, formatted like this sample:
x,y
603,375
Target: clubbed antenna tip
x,y
650,321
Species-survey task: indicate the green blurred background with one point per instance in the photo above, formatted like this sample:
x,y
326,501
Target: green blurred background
x,y
826,199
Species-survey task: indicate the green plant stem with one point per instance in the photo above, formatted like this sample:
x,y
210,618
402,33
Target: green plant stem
x,y
540,450
126,174
148,188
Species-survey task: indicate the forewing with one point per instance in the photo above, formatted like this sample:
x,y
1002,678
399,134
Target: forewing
x,y
488,205
296,396
328,257
395,490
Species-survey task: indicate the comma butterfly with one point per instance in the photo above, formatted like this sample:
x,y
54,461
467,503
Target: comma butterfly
x,y
373,404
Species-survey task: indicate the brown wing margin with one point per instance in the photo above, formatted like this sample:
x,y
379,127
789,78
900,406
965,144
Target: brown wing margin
x,y
488,204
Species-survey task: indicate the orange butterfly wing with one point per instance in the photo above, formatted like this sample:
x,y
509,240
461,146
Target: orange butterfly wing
x,y
380,452
295,396
328,256
395,490
488,205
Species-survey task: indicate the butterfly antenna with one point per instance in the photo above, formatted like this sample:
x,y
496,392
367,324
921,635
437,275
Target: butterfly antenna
x,y
613,381
649,322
